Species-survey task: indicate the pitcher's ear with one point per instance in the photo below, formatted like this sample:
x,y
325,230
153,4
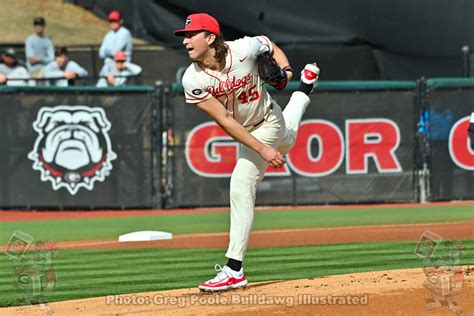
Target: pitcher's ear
x,y
211,38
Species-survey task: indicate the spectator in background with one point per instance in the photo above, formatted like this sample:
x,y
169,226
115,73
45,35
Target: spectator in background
x,y
116,73
39,48
12,69
116,40
62,67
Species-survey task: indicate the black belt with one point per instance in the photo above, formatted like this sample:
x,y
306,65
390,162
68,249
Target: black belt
x,y
262,120
258,123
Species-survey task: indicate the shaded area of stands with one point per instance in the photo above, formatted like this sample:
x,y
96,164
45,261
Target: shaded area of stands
x,y
157,63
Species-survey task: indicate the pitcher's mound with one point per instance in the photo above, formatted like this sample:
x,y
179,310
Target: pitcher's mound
x,y
394,292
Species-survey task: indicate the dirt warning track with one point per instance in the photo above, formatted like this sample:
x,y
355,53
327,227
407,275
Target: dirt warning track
x,y
293,237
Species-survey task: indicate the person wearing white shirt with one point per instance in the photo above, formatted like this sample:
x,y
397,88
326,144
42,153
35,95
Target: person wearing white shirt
x,y
11,71
116,73
117,39
39,49
62,67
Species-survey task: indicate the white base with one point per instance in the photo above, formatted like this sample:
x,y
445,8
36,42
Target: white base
x,y
145,235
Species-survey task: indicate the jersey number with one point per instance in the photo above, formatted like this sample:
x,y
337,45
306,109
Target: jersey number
x,y
252,95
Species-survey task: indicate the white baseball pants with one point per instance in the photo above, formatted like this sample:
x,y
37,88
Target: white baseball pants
x,y
279,130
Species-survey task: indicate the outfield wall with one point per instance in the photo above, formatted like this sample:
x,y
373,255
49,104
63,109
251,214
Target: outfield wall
x,y
78,148
450,158
330,163
143,147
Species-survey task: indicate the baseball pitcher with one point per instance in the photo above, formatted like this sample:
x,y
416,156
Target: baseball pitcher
x,y
225,80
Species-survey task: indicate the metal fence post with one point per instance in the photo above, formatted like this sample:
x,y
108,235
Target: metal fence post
x,y
157,130
466,52
167,147
423,146
94,61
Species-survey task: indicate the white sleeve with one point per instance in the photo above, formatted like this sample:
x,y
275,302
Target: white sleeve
x,y
29,50
129,46
102,83
19,73
73,66
133,69
193,91
51,70
50,52
257,41
104,50
105,70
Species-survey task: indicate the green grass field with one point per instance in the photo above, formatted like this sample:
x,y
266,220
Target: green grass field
x,y
99,272
89,273
111,228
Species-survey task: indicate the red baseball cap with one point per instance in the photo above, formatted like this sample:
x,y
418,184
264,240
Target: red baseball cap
x,y
120,56
115,16
200,22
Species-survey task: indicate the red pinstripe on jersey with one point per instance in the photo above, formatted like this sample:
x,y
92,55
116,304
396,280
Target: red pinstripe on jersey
x,y
233,90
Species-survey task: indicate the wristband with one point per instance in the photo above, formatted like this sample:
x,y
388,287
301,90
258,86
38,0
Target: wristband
x,y
288,68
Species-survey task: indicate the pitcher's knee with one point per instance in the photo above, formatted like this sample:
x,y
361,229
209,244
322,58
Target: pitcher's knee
x,y
238,192
240,187
236,195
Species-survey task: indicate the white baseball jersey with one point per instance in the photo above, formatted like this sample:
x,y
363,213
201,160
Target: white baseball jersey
x,y
238,86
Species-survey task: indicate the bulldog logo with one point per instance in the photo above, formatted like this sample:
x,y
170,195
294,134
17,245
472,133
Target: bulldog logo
x,y
73,147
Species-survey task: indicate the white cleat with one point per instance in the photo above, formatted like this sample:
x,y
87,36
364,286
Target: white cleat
x,y
310,75
226,279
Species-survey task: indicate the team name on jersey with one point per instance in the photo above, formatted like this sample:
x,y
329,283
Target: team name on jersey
x,y
229,85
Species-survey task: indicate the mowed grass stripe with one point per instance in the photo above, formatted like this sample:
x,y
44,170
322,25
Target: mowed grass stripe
x,y
111,228
140,271
141,261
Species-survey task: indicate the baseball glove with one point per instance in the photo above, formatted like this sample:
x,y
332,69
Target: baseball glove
x,y
270,72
